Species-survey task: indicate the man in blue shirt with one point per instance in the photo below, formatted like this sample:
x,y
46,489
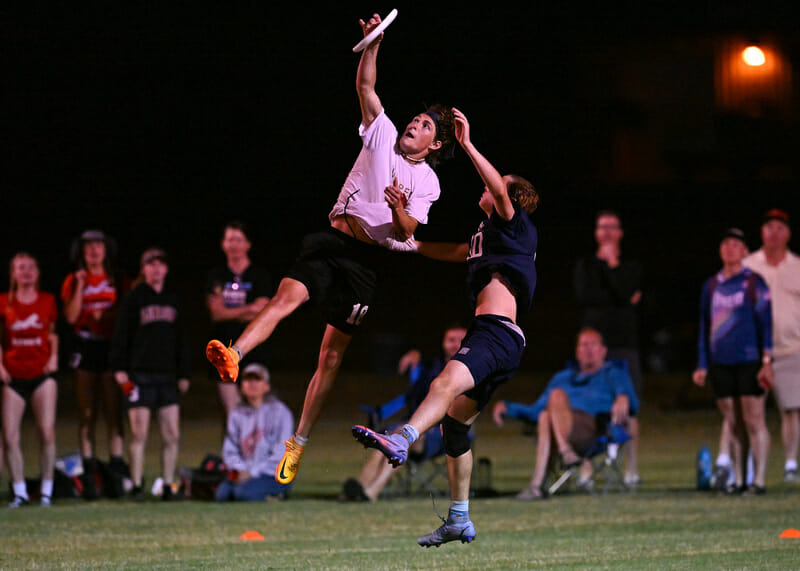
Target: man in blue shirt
x,y
735,353
570,411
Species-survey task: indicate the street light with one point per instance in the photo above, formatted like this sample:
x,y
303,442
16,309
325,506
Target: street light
x,y
753,56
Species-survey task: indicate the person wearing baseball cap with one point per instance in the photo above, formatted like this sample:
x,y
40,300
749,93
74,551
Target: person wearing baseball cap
x,y
735,355
780,268
151,360
253,444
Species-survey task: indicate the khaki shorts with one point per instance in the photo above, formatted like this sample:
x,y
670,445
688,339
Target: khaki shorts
x,y
787,381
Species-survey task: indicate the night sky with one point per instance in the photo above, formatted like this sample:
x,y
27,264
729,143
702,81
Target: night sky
x,y
159,126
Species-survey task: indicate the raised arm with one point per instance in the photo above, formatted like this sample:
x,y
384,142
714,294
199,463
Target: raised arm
x,y
367,75
492,179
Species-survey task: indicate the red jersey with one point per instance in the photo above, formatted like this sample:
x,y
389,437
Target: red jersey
x,y
26,330
99,296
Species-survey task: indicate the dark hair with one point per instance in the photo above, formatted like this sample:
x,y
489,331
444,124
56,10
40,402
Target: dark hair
x,y
523,193
109,260
237,225
445,132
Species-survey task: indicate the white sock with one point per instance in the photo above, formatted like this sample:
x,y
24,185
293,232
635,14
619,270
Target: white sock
x,y
47,488
461,507
20,489
790,465
301,440
409,433
723,460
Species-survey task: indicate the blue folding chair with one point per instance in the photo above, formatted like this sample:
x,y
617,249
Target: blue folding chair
x,y
604,453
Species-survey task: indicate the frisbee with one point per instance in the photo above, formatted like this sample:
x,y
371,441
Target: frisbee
x,y
369,38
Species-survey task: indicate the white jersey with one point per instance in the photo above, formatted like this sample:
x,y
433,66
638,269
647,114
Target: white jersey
x,y
377,165
783,281
254,441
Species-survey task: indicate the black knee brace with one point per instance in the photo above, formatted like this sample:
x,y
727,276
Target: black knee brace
x,y
455,436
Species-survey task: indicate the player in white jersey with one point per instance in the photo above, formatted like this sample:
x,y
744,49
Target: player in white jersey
x,y
388,192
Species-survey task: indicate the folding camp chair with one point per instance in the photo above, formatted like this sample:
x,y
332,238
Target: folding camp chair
x,y
605,455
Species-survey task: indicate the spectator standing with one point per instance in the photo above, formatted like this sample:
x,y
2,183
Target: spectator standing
x,y
608,289
28,359
780,268
90,295
150,357
236,292
735,353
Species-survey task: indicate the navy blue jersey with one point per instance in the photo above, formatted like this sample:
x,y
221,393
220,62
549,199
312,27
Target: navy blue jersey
x,y
506,247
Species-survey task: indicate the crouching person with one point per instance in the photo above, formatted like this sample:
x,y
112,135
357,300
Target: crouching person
x,y
253,445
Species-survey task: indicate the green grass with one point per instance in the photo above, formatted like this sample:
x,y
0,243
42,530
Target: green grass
x,y
666,524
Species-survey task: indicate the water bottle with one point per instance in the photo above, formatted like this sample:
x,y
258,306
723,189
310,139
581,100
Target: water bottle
x,y
704,468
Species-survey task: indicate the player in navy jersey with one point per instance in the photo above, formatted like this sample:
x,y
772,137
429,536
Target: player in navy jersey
x,y
735,352
502,277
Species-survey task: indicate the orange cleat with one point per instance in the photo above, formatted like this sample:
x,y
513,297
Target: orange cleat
x,y
225,359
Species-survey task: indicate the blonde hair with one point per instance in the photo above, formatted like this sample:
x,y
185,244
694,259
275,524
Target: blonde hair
x,y
13,286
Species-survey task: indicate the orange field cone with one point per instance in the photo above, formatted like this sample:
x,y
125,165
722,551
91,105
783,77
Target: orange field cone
x,y
251,536
790,534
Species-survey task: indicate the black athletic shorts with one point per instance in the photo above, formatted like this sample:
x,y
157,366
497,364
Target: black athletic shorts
x,y
735,380
491,350
153,391
340,274
26,387
91,355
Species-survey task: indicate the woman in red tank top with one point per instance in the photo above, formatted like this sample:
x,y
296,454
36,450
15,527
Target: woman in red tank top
x,y
91,297
28,360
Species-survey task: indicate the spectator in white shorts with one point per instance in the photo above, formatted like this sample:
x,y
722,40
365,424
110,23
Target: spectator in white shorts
x,y
780,268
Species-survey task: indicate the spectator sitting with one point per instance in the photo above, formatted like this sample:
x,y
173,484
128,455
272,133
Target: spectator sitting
x,y
570,412
376,472
253,443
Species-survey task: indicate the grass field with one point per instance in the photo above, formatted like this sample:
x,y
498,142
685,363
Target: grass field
x,y
665,524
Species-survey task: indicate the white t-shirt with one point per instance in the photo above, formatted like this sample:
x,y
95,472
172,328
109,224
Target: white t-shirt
x,y
377,165
784,290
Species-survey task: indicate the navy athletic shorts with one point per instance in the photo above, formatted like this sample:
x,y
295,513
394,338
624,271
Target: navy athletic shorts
x,y
339,273
491,350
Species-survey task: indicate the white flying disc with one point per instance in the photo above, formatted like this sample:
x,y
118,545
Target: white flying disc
x,y
369,38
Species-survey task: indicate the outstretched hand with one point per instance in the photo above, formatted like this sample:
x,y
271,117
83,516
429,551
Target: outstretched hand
x,y
462,127
370,25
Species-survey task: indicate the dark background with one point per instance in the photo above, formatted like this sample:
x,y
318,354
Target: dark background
x,y
158,126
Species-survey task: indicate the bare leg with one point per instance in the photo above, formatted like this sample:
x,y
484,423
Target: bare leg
x,y
112,409
632,468
13,410
169,422
86,393
790,433
543,447
334,344
375,474
291,294
459,469
754,419
451,382
43,404
140,425
229,397
561,421
728,409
